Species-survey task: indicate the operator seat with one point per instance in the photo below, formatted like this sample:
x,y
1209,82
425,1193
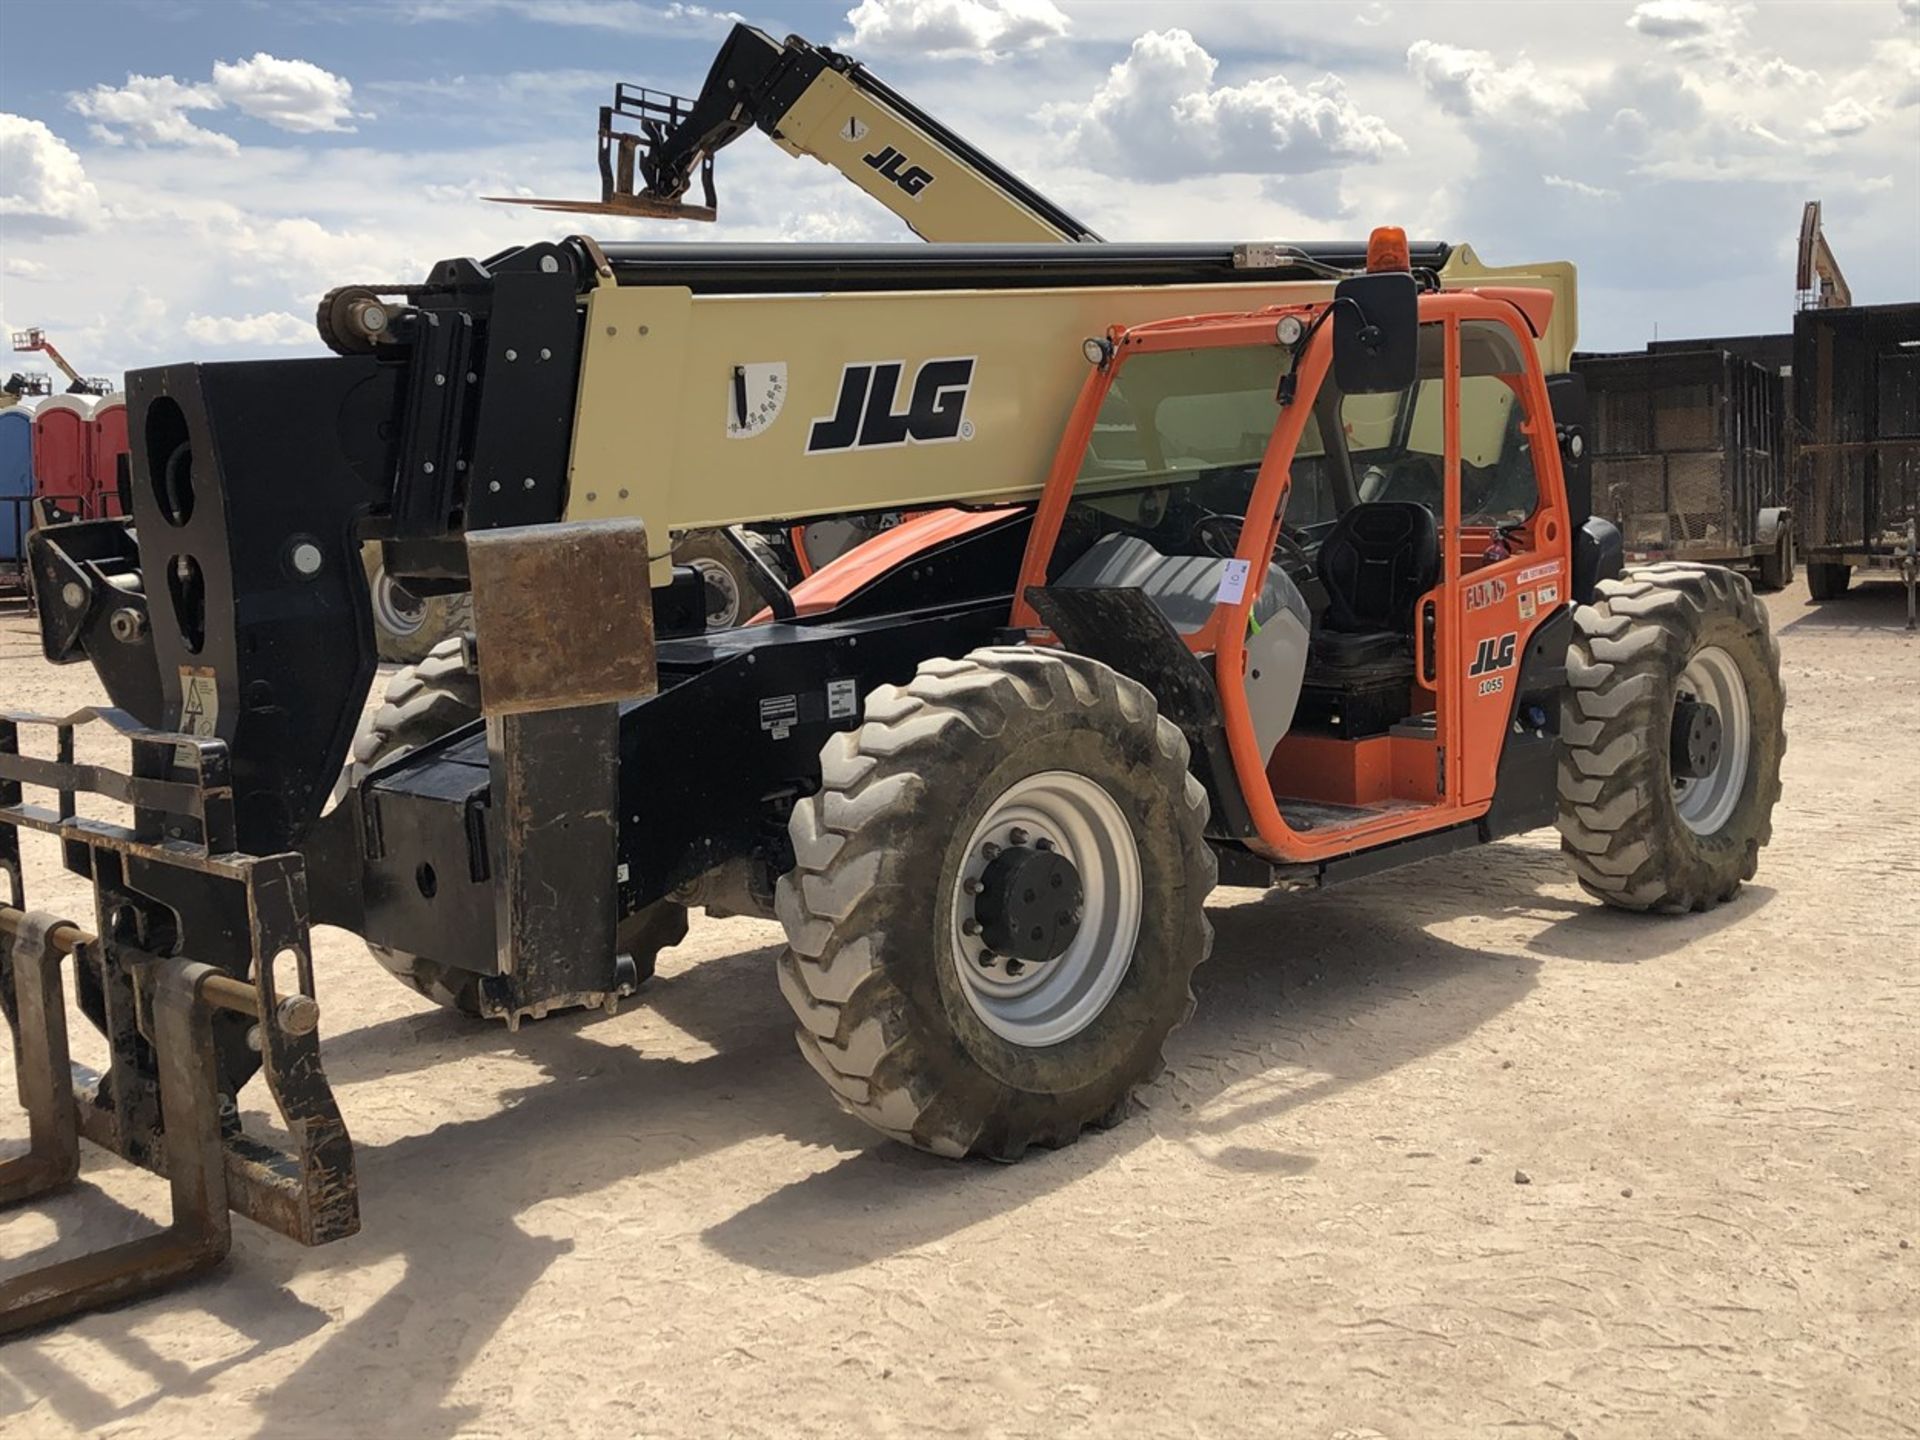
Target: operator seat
x,y
1378,560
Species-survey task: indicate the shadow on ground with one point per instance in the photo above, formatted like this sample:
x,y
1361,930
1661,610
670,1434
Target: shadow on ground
x,y
1870,606
1309,994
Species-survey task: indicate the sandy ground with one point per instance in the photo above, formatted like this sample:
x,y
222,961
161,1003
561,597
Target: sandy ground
x,y
1316,1225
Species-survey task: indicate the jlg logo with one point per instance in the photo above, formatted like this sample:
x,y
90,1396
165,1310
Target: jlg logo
x,y
893,165
1495,653
864,417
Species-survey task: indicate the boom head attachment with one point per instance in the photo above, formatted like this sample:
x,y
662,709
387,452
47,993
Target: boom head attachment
x,y
638,132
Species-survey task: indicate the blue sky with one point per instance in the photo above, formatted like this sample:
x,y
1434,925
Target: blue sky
x,y
184,179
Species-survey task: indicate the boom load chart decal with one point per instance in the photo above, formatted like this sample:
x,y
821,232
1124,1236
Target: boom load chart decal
x,y
755,395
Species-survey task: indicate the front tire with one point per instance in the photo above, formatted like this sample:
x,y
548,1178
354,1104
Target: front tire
x,y
1664,806
921,1028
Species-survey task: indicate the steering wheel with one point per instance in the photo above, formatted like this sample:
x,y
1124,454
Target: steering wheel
x,y
1219,536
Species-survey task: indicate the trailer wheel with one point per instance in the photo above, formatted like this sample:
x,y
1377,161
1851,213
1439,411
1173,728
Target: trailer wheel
x,y
1672,737
997,902
1777,567
408,627
733,592
424,702
1828,582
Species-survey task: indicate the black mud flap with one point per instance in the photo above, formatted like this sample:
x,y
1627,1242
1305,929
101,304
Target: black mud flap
x,y
1124,630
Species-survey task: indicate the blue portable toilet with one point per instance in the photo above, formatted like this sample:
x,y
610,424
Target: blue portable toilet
x,y
16,480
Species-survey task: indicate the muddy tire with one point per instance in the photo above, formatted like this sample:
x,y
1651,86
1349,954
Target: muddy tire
x,y
1663,807
406,627
1828,582
916,1025
424,702
734,593
1777,569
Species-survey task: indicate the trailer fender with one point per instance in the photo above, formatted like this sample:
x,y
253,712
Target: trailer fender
x,y
1768,526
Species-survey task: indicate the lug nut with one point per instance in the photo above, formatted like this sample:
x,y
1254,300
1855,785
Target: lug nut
x,y
985,959
990,850
1016,836
1014,967
1043,843
969,927
971,885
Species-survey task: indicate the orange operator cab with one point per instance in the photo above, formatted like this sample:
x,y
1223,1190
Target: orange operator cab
x,y
1356,567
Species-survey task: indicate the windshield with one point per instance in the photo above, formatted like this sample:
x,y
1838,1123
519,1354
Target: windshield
x,y
1176,449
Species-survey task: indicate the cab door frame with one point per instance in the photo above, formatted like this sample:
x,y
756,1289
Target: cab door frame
x,y
1224,633
1470,738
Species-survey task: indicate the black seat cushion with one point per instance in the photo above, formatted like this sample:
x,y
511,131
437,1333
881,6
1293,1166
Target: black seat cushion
x,y
1379,559
1346,650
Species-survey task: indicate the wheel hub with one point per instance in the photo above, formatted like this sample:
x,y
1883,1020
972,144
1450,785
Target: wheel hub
x,y
1046,908
1029,905
1696,738
401,611
1710,741
721,591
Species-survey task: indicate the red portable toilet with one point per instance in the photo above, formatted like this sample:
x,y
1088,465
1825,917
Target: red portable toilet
x,y
62,448
107,443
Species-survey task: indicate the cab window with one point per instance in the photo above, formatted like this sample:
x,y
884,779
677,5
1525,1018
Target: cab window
x,y
1398,441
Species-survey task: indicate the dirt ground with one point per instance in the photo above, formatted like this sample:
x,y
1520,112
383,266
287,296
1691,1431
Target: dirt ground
x,y
1450,1152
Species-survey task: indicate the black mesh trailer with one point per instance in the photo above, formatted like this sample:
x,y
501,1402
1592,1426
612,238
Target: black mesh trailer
x,y
1688,454
1856,433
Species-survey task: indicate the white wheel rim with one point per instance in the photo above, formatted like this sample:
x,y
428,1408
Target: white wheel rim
x,y
722,593
1706,804
401,611
1045,1002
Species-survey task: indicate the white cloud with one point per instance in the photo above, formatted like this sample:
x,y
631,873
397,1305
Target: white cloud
x,y
1687,23
43,186
630,17
1910,11
275,327
986,28
1897,67
22,268
151,110
288,94
1159,116
1477,85
1580,188
1846,116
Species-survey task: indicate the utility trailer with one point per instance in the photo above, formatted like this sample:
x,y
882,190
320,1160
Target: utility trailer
x,y
1265,564
1689,455
1857,445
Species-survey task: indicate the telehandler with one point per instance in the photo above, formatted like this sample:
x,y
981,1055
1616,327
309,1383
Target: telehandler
x,y
1260,564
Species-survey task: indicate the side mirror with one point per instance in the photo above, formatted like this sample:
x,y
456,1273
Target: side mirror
x,y
1376,333
1573,427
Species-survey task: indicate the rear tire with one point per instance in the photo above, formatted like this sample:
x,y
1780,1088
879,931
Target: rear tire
x,y
1777,568
408,627
1828,582
911,1040
424,702
1639,838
